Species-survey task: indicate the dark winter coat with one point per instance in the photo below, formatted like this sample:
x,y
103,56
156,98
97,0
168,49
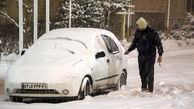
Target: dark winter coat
x,y
146,42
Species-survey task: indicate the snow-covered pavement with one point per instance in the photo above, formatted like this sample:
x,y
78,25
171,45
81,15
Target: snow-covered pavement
x,y
174,87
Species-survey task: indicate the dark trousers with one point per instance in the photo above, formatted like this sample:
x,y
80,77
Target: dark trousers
x,y
146,71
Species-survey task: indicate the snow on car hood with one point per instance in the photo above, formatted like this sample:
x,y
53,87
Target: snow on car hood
x,y
48,69
48,60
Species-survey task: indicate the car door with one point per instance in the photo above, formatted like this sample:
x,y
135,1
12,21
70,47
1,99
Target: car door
x,y
117,55
100,70
113,59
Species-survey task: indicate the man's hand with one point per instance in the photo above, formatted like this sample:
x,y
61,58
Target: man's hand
x,y
160,59
127,52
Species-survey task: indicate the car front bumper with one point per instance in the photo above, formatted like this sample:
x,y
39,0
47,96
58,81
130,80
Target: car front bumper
x,y
53,90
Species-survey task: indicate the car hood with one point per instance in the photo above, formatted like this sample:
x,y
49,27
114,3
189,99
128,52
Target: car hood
x,y
47,60
49,69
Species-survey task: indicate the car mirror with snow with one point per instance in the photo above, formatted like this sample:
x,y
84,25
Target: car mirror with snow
x,y
100,55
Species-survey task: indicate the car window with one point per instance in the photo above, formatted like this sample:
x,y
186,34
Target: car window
x,y
110,44
114,46
107,43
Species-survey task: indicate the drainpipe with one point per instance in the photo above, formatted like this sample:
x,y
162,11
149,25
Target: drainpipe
x,y
168,19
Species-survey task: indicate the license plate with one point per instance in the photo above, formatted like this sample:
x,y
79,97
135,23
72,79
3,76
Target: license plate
x,y
34,86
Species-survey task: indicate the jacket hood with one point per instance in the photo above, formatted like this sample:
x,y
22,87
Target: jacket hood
x,y
141,22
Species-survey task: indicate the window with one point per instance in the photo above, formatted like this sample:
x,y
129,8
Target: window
x,y
190,6
110,44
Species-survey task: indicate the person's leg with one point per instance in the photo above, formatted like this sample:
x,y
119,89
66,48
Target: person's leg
x,y
150,74
142,74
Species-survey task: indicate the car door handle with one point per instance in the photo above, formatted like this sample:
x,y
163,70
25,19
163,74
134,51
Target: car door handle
x,y
108,61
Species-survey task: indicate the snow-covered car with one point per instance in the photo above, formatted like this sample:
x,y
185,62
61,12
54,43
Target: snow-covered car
x,y
67,63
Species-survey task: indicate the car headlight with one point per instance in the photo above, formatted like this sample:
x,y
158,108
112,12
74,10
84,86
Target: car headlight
x,y
65,91
8,91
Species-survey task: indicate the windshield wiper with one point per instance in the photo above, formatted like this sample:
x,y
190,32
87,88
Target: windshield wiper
x,y
70,51
70,40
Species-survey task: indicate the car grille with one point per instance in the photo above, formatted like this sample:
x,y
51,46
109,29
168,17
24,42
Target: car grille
x,y
35,91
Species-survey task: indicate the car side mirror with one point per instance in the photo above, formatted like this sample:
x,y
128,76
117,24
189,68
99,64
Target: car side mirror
x,y
100,55
23,52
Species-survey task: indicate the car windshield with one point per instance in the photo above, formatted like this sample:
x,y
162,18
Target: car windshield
x,y
66,38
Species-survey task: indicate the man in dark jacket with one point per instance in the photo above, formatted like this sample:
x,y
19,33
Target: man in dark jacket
x,y
146,41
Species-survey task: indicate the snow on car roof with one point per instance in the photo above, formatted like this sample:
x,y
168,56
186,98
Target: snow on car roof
x,y
85,36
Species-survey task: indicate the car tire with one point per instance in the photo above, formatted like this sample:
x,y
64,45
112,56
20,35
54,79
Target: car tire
x,y
122,81
16,99
85,89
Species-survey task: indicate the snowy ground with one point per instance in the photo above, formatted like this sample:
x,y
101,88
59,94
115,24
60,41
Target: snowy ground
x,y
174,85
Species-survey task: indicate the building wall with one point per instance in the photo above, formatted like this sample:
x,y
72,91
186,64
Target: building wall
x,y
178,7
177,12
150,5
154,19
12,10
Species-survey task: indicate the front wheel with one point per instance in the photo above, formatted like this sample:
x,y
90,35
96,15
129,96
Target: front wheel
x,y
122,81
85,89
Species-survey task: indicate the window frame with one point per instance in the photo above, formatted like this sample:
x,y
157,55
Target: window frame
x,y
188,7
114,49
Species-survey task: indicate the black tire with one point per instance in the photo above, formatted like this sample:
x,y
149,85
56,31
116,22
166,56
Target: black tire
x,y
16,99
121,82
86,90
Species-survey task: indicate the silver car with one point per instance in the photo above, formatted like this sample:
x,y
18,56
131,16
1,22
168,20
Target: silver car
x,y
68,63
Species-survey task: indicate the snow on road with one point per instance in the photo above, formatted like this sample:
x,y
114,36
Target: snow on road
x,y
174,87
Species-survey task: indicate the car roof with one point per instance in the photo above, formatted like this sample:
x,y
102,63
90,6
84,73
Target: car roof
x,y
85,35
74,33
